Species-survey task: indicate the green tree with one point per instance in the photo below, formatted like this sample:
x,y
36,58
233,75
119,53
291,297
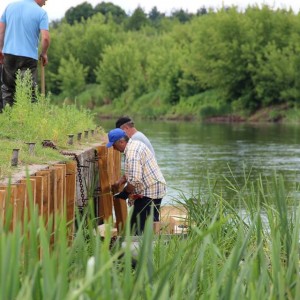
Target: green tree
x,y
277,78
108,8
248,59
71,76
119,68
66,41
202,11
84,41
182,15
137,20
79,12
217,59
233,52
164,69
97,35
155,15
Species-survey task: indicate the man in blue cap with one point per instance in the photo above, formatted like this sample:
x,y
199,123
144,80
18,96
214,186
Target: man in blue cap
x,y
144,180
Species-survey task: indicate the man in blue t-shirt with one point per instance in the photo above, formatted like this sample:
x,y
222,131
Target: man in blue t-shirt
x,y
21,25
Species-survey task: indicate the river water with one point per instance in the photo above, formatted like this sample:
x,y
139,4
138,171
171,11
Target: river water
x,y
194,155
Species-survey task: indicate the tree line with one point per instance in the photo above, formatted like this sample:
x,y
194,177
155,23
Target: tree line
x,y
211,62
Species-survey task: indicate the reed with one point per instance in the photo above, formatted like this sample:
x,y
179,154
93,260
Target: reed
x,y
225,255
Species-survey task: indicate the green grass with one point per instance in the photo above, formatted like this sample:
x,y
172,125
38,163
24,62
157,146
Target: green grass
x,y
34,122
223,256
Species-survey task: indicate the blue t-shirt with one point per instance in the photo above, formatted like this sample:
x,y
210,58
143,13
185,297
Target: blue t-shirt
x,y
139,136
23,20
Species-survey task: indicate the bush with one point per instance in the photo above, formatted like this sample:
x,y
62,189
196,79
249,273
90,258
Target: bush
x,y
91,97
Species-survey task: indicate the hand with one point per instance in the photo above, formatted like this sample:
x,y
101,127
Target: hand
x,y
122,195
44,59
115,187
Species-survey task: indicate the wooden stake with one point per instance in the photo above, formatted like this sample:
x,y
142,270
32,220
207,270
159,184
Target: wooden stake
x,y
105,205
43,90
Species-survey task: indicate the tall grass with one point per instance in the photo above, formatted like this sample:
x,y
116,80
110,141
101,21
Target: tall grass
x,y
34,122
225,255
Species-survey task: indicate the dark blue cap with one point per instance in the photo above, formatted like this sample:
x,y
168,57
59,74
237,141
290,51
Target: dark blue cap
x,y
115,135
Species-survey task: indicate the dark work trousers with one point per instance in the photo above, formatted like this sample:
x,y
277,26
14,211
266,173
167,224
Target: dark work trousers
x,y
1,103
141,210
11,65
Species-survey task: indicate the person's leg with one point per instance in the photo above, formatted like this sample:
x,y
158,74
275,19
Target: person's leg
x,y
141,210
157,203
8,79
1,101
133,220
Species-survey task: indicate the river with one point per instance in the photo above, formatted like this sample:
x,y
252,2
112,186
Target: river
x,y
194,155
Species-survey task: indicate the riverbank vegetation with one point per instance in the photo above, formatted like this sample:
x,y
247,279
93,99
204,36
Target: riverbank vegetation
x,y
212,63
246,251
27,122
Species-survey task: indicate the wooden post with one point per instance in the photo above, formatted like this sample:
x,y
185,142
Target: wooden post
x,y
20,201
71,171
60,170
43,89
110,165
38,183
53,195
45,207
105,201
2,206
117,165
11,192
120,205
30,193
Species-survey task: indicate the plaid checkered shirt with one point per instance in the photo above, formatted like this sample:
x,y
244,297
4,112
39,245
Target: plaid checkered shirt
x,y
142,171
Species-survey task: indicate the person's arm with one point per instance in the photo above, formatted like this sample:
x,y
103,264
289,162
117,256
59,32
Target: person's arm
x,y
115,187
45,43
2,33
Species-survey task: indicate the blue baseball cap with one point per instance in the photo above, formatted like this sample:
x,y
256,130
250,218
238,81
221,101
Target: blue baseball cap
x,y
115,135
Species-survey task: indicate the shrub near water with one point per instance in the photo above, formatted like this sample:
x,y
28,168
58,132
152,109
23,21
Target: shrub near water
x,y
222,256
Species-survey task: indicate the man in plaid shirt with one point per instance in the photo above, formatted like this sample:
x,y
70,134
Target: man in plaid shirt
x,y
143,178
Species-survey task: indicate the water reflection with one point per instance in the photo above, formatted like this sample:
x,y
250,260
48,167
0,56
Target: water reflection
x,y
190,153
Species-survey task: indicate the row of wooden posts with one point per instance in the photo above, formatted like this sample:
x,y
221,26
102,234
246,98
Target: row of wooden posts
x,y
55,190
31,145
